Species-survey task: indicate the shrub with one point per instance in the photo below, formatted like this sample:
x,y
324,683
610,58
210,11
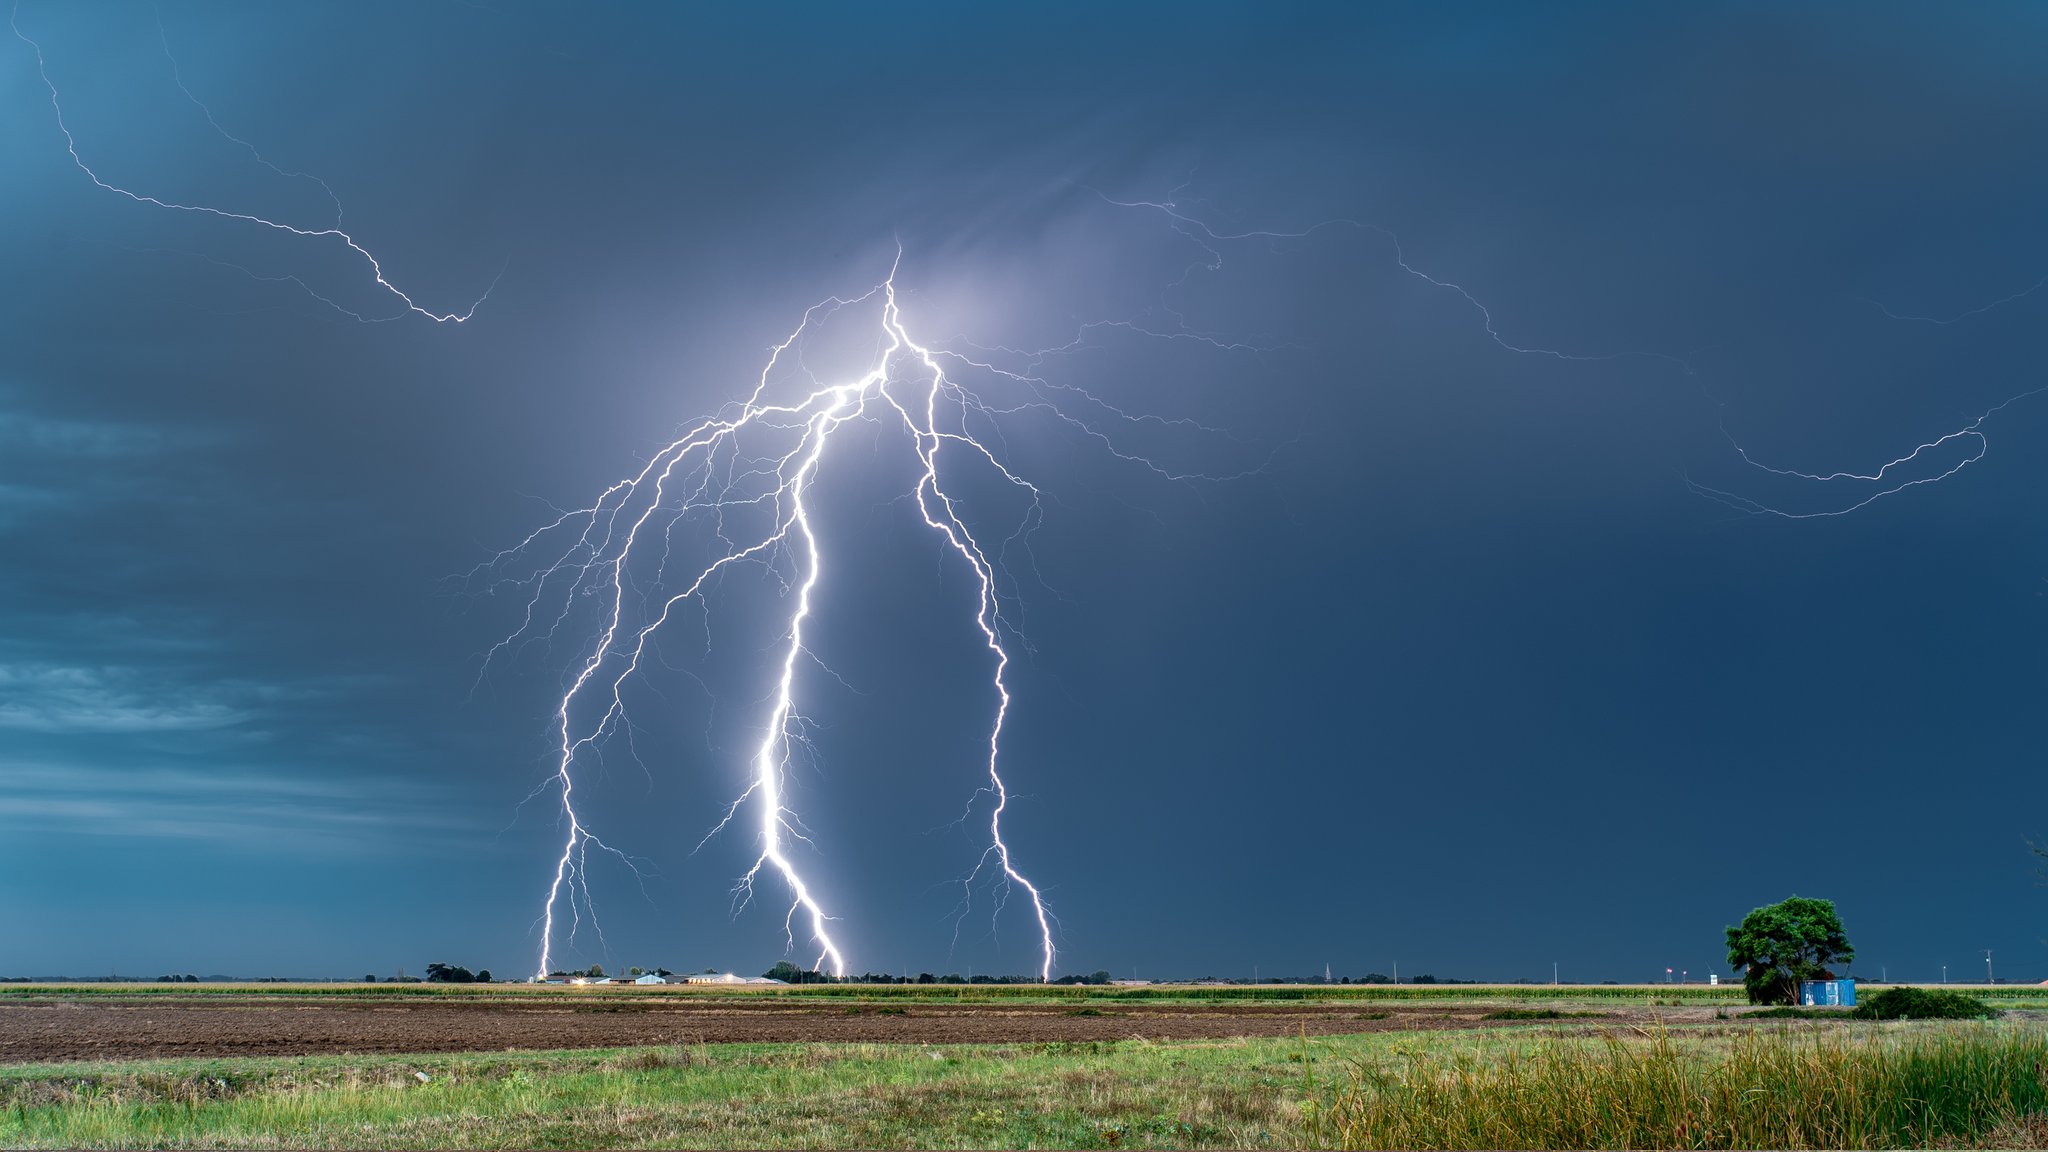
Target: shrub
x,y
1923,1004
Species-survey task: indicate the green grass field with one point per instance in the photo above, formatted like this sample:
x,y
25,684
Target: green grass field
x,y
1191,1095
1561,1082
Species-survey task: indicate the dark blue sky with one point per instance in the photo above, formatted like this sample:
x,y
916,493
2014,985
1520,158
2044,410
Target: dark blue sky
x,y
1464,677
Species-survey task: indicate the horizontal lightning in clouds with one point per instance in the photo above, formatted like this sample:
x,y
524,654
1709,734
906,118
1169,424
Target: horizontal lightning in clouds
x,y
1893,477
328,232
1896,475
1202,234
1959,317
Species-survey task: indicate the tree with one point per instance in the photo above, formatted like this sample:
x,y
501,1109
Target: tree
x,y
483,976
1779,945
786,972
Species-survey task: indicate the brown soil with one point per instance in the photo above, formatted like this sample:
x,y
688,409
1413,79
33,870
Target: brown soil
x,y
104,1028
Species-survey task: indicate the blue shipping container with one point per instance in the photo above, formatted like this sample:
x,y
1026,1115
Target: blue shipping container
x,y
1827,993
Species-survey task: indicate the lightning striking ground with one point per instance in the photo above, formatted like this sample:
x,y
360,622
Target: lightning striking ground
x,y
327,232
745,478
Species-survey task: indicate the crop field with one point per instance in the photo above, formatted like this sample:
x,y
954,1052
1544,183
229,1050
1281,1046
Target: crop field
x,y
415,1066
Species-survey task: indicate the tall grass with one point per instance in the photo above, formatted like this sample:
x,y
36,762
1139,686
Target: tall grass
x,y
1891,1088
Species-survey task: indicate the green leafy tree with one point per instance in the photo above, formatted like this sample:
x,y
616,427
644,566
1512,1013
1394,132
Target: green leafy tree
x,y
1778,945
449,974
786,972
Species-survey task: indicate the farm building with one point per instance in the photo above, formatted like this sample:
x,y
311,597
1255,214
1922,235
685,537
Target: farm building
x,y
1839,993
650,978
727,978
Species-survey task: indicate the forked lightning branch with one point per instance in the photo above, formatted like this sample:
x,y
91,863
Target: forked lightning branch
x,y
741,484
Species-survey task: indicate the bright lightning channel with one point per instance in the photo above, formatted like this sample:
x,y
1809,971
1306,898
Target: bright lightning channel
x,y
749,474
329,232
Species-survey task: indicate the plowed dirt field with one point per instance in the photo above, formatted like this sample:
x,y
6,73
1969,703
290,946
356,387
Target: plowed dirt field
x,y
116,1028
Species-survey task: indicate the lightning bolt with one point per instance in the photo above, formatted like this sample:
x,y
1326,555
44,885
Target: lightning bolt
x,y
333,232
746,478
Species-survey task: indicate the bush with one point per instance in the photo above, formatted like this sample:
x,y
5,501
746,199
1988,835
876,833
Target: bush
x,y
1923,1004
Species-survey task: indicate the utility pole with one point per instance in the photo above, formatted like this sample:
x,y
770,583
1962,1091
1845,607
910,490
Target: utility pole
x,y
1987,967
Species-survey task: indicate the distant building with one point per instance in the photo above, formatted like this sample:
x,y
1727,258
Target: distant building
x,y
650,978
1828,993
727,978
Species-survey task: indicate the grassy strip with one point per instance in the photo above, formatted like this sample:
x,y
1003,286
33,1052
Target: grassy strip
x,y
1880,1087
1843,1084
1242,1094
